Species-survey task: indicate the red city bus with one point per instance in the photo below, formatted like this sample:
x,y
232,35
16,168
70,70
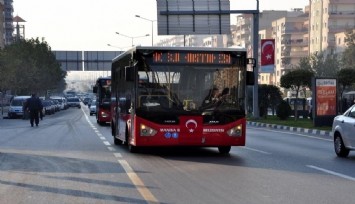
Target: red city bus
x,y
179,96
102,88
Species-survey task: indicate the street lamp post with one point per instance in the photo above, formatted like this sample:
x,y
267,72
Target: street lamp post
x,y
132,37
120,48
138,16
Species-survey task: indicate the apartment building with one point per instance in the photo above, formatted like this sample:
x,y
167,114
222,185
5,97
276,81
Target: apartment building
x,y
327,18
291,42
6,22
340,44
2,20
242,36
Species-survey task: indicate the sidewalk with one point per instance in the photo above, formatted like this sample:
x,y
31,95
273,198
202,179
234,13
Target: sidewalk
x,y
292,129
3,112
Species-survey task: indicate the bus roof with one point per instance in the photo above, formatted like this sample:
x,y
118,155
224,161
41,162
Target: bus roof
x,y
133,49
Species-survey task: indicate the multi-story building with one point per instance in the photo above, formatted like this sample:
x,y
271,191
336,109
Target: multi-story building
x,y
328,17
2,22
291,42
8,22
340,44
242,35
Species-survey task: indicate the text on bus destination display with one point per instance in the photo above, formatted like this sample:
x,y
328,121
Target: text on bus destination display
x,y
192,58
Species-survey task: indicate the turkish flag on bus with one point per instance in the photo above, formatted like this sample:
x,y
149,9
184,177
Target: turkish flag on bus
x,y
267,55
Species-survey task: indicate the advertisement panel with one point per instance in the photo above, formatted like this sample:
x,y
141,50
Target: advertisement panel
x,y
326,97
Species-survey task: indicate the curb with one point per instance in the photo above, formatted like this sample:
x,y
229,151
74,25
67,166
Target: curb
x,y
292,129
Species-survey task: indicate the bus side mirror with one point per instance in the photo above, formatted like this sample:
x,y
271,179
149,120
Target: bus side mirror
x,y
129,73
94,89
250,78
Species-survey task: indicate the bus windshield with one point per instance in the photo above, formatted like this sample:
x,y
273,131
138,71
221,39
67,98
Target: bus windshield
x,y
190,88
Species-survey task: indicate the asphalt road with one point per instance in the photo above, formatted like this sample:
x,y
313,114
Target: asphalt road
x,y
69,158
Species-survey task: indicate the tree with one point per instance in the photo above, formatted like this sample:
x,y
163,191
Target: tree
x,y
30,66
345,79
348,56
271,97
324,65
296,80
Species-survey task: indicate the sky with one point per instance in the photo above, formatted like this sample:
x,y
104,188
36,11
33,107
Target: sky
x,y
89,25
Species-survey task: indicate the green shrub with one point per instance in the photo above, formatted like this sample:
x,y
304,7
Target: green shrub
x,y
283,110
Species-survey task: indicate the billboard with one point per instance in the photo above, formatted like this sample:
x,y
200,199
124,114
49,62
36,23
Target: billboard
x,y
69,60
326,97
189,17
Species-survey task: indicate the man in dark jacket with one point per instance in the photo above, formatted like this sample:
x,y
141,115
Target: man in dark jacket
x,y
34,105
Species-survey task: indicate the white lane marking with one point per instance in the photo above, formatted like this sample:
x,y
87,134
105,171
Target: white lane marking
x,y
256,150
107,143
332,172
298,134
103,138
143,190
117,155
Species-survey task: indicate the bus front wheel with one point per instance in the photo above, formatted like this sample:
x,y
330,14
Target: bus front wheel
x,y
224,149
132,148
117,141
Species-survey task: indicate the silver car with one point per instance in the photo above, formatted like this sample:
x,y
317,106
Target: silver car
x,y
92,107
343,129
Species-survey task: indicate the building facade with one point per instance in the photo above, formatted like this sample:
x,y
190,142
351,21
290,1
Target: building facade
x,y
8,22
291,43
328,17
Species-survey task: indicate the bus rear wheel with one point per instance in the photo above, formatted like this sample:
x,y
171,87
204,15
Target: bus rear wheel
x,y
224,149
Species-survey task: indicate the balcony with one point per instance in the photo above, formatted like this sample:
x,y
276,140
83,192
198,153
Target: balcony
x,y
295,42
294,54
342,14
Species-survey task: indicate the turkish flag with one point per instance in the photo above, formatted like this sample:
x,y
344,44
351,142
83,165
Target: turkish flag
x,y
267,55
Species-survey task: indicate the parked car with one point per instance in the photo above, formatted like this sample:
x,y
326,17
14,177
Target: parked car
x,y
60,101
48,107
343,129
74,102
16,106
92,107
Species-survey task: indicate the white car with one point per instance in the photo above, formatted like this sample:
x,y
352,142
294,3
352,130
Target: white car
x,y
16,106
343,129
73,102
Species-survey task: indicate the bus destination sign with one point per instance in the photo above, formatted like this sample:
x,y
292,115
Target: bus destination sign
x,y
171,57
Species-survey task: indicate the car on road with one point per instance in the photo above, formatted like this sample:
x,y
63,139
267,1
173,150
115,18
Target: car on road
x,y
343,129
92,107
74,102
16,106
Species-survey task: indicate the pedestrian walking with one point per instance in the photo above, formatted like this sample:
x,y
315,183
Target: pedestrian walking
x,y
34,105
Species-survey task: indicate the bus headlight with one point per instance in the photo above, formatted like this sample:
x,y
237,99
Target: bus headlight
x,y
235,131
147,131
